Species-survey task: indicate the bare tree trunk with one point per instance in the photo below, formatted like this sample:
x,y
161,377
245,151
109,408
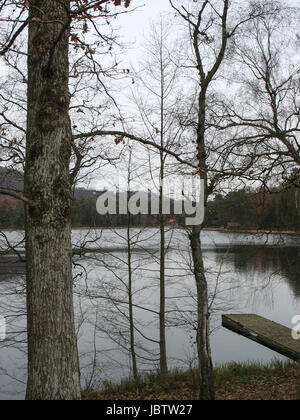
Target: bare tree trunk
x,y
53,368
206,391
130,302
130,295
162,308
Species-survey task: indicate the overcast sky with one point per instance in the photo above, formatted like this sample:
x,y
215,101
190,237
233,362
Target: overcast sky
x,y
135,25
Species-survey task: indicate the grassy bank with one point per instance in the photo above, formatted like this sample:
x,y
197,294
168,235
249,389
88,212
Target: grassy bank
x,y
276,381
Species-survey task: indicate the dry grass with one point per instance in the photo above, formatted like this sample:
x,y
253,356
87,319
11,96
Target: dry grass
x,y
232,382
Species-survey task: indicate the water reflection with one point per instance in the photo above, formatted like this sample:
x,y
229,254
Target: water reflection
x,y
265,261
253,278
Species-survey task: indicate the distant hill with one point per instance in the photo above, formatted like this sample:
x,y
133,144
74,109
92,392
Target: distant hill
x,y
84,211
13,179
10,178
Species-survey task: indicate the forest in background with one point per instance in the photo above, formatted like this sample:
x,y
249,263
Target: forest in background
x,y
241,209
210,93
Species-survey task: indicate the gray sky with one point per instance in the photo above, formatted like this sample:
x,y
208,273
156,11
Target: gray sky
x,y
134,24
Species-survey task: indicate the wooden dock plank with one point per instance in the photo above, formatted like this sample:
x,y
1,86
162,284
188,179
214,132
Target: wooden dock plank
x,y
263,331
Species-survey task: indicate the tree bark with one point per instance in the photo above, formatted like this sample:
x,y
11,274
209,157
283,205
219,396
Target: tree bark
x,y
206,391
205,364
53,366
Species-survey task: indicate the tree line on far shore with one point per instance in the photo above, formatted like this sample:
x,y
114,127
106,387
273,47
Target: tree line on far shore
x,y
244,209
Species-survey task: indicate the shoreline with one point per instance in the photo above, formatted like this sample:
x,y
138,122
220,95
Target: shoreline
x,y
205,229
254,231
233,381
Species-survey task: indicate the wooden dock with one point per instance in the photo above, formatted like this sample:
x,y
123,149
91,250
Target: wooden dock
x,y
263,331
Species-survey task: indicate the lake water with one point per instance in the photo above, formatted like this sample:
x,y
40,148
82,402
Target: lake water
x,y
255,273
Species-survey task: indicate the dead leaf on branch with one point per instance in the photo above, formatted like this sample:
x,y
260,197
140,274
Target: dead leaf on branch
x,y
119,139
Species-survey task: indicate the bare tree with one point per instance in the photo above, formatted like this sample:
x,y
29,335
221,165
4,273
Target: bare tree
x,y
156,99
211,26
263,112
130,284
210,30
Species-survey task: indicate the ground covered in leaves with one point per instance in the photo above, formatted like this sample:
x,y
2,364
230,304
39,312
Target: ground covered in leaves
x,y
232,382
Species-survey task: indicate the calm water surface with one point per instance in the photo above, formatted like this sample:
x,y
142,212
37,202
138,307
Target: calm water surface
x,y
246,274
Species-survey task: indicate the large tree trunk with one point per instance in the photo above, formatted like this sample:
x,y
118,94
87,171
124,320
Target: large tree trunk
x,y
203,325
53,368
